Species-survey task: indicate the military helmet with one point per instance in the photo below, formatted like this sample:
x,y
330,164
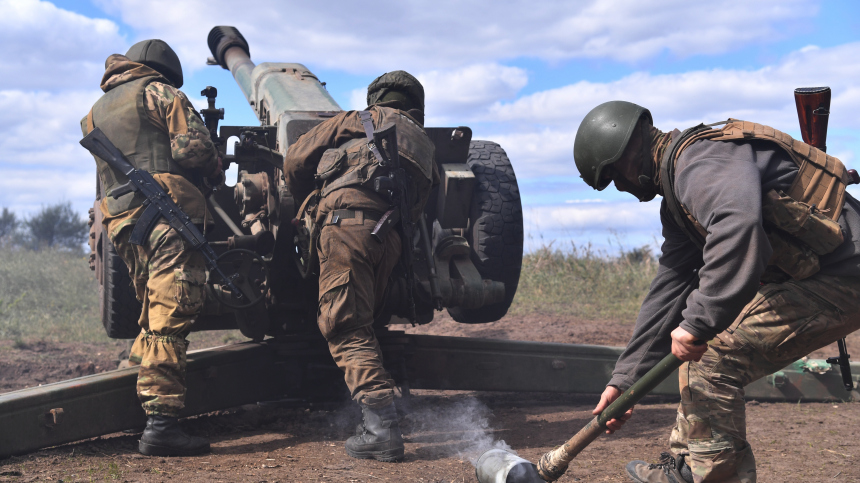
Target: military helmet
x,y
602,137
157,54
398,81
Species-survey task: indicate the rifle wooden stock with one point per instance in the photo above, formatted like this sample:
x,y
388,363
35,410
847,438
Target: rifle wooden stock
x,y
813,111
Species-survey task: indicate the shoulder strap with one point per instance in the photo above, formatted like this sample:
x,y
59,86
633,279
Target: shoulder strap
x,y
90,124
367,122
667,180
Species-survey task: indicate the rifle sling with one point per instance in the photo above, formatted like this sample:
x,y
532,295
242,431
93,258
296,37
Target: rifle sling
x,y
367,122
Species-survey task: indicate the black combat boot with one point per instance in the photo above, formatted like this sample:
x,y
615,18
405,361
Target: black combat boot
x,y
164,437
670,469
378,436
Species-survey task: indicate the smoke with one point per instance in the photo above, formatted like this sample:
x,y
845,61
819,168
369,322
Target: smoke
x,y
451,427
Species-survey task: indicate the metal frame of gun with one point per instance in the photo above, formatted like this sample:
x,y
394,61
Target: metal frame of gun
x,y
158,204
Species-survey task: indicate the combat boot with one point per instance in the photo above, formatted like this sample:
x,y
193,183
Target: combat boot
x,y
378,436
164,437
670,469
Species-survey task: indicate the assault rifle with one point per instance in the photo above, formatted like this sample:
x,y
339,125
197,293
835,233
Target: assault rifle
x,y
813,112
383,143
158,204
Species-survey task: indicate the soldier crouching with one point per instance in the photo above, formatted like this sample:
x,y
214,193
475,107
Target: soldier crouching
x,y
332,167
761,257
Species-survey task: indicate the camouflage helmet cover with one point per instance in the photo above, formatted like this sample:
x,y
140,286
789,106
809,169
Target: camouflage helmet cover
x,y
157,54
602,137
400,81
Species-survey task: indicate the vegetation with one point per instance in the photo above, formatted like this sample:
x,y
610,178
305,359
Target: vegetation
x,y
48,292
585,283
53,227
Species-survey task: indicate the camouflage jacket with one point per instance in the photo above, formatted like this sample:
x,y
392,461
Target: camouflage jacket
x,y
190,144
303,157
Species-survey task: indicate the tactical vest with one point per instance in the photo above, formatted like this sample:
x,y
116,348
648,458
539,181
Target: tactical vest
x,y
353,164
121,114
800,224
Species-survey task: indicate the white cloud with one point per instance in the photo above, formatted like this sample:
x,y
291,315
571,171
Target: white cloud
x,y
48,47
538,130
42,161
25,191
621,215
452,33
456,94
43,129
763,95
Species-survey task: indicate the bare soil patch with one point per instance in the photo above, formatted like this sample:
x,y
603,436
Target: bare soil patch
x,y
793,442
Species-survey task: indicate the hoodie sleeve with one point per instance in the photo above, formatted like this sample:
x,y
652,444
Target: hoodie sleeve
x,y
720,184
661,310
190,144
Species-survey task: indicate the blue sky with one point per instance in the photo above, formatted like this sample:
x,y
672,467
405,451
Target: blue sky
x,y
521,73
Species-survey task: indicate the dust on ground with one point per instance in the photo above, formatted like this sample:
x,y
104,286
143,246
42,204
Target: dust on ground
x,y
444,431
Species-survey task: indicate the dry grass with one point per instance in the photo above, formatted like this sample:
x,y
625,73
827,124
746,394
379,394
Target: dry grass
x,y
52,295
585,283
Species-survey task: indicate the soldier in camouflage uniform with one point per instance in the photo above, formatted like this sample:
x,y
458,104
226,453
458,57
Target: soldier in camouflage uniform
x,y
761,258
153,123
332,169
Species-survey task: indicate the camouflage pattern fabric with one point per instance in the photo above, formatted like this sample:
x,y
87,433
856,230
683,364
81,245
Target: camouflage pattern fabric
x,y
784,322
190,144
354,270
169,279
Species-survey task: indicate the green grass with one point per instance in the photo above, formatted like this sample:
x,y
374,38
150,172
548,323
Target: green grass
x,y
584,283
48,295
53,296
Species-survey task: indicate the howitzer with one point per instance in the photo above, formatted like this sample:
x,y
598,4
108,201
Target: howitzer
x,y
813,112
465,255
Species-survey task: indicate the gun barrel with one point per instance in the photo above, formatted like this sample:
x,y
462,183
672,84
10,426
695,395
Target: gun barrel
x,y
230,50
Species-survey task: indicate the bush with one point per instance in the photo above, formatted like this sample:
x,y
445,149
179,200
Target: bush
x,y
55,226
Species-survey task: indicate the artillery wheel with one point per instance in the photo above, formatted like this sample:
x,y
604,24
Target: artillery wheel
x,y
118,304
495,228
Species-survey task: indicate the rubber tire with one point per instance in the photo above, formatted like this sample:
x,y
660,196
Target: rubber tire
x,y
118,303
495,228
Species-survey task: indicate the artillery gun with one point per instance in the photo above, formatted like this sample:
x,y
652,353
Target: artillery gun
x,y
468,252
473,240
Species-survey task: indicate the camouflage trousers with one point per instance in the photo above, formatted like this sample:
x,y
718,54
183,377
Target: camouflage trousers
x,y
783,322
354,271
169,279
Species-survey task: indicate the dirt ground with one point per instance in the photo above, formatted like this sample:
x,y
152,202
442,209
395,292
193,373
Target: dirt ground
x,y
444,431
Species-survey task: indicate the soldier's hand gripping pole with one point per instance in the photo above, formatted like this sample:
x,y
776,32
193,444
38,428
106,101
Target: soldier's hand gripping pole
x,y
554,463
158,204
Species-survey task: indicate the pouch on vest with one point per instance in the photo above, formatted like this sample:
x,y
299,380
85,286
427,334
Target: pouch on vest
x,y
792,257
802,221
331,163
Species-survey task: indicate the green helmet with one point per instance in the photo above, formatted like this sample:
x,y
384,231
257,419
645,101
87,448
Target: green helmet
x,y
158,55
397,82
602,137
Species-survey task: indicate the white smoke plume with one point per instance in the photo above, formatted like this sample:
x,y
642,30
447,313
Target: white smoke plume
x,y
458,427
